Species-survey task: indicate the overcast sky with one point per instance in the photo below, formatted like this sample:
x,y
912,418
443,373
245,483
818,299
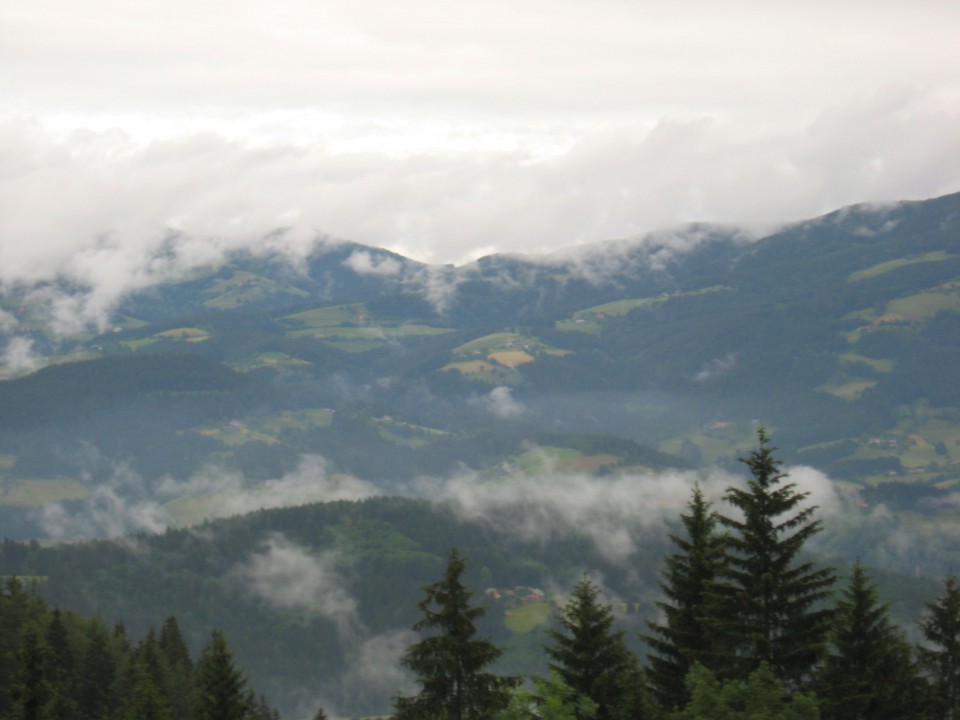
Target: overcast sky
x,y
448,130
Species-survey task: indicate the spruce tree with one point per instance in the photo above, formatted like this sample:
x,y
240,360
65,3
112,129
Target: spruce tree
x,y
98,668
177,668
32,690
219,687
775,610
940,654
588,654
868,671
688,631
451,662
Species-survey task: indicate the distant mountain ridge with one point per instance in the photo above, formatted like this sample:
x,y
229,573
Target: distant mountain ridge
x,y
840,333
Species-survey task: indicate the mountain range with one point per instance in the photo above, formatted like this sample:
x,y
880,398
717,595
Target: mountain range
x,y
287,446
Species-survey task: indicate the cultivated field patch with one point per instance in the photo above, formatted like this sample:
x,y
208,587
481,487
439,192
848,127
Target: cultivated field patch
x,y
38,491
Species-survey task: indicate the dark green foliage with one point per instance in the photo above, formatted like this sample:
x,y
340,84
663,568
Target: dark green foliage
x,y
774,599
31,692
940,652
688,633
60,666
868,673
451,662
220,689
98,667
589,655
145,700
759,697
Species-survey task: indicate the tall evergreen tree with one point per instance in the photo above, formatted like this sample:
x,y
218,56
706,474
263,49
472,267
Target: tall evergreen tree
x,y
177,679
32,690
219,687
451,663
688,632
98,668
144,701
588,654
774,600
868,673
940,654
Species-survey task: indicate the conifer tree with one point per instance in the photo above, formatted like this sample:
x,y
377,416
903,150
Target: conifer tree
x,y
688,632
774,600
144,700
177,667
219,687
588,654
97,673
868,671
32,691
940,654
451,662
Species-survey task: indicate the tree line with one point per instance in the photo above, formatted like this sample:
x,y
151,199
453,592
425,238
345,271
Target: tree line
x,y
61,666
748,628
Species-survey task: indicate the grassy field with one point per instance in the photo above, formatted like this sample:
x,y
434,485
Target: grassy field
x,y
730,441
922,306
512,358
886,267
38,491
329,316
884,366
850,390
527,617
296,420
590,320
489,343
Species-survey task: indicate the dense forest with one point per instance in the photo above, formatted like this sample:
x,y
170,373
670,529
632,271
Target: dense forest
x,y
58,664
747,626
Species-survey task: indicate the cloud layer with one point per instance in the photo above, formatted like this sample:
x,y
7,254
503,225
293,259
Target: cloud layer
x,y
137,142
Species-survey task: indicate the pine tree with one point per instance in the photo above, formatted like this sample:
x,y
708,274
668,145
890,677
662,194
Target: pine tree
x,y
219,688
32,691
688,631
941,653
177,668
450,663
868,671
145,701
590,656
97,673
774,601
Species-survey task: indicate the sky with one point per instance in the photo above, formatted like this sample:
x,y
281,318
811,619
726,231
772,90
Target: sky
x,y
447,131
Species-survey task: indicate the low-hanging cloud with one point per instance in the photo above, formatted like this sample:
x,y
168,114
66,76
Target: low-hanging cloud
x,y
614,512
114,508
500,402
19,357
363,263
112,214
715,367
290,577
617,513
309,482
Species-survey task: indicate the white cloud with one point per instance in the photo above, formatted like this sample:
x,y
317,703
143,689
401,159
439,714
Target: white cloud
x,y
363,263
614,512
114,508
19,357
291,577
717,366
105,210
233,495
501,403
